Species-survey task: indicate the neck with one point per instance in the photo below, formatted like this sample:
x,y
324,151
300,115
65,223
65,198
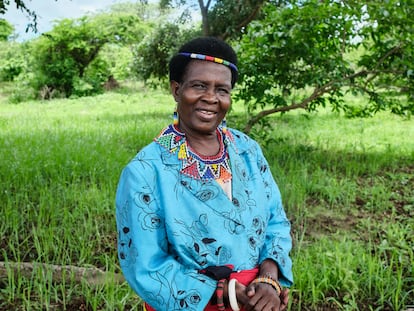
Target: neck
x,y
207,145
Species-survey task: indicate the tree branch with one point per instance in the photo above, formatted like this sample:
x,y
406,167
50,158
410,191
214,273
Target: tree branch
x,y
317,92
208,4
245,21
389,53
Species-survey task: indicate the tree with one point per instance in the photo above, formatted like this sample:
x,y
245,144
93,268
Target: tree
x,y
228,19
6,30
225,18
67,58
63,54
311,53
151,56
12,60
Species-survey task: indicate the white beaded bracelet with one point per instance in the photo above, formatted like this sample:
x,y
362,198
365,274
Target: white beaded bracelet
x,y
232,295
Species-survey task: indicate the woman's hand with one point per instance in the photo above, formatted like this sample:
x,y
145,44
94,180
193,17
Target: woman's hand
x,y
246,297
263,297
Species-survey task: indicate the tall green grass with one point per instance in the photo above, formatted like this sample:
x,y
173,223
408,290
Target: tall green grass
x,y
347,186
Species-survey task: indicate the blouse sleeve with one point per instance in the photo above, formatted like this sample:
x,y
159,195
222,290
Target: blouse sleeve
x,y
148,267
278,239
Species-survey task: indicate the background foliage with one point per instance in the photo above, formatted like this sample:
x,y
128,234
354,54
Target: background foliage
x,y
67,59
293,54
314,52
6,29
346,183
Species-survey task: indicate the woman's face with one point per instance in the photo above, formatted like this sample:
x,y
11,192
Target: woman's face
x,y
203,97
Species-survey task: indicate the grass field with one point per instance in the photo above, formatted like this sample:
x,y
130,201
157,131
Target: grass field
x,y
347,185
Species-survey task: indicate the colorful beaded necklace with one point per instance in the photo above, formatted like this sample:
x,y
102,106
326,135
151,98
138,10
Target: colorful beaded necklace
x,y
193,164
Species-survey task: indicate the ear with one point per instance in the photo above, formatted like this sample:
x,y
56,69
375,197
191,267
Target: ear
x,y
175,86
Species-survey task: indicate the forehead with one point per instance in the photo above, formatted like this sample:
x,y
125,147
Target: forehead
x,y
202,70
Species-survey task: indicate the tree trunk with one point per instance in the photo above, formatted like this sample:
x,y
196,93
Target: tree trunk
x,y
91,275
204,17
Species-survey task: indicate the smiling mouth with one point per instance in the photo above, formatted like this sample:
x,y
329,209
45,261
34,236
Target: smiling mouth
x,y
207,112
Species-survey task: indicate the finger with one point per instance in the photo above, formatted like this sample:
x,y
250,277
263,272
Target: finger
x,y
241,293
262,303
270,306
251,291
251,303
284,298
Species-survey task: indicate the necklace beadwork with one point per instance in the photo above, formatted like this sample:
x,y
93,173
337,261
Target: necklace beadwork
x,y
194,165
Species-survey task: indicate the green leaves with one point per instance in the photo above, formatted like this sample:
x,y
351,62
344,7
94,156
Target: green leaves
x,y
64,54
68,59
151,55
6,30
310,52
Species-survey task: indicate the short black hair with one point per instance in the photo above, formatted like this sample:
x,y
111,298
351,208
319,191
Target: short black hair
x,y
210,46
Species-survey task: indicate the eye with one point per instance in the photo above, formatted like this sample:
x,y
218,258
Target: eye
x,y
199,86
223,91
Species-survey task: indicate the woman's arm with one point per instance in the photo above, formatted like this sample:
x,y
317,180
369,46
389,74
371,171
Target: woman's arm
x,y
266,293
151,271
278,240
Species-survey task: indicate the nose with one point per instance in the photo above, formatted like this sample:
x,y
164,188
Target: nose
x,y
210,96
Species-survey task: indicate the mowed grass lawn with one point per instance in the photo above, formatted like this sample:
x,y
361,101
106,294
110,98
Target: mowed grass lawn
x,y
347,186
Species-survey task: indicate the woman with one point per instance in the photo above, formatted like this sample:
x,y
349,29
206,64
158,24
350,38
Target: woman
x,y
200,220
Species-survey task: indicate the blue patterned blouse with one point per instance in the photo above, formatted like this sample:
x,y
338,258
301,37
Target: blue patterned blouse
x,y
173,219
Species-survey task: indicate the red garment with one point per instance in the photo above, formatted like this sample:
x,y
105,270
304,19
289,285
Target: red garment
x,y
244,277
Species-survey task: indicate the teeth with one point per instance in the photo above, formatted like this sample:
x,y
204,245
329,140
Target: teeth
x,y
207,112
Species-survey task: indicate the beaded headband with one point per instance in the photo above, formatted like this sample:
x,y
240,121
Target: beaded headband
x,y
210,59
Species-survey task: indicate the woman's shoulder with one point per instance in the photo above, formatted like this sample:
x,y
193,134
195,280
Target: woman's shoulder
x,y
241,140
147,155
159,151
161,143
151,150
